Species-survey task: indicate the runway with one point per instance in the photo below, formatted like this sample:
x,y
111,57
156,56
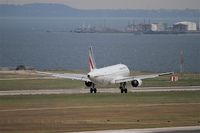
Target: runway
x,y
190,129
100,90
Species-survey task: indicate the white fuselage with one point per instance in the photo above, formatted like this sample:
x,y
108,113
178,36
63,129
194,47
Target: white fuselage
x,y
107,75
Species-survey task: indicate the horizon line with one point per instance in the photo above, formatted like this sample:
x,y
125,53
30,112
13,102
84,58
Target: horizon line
x,y
52,3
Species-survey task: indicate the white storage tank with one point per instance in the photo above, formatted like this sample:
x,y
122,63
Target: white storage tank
x,y
185,26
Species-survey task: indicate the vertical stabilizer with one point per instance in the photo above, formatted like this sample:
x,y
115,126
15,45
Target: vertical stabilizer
x,y
92,63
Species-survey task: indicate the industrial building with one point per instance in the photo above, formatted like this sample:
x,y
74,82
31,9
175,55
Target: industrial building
x,y
158,27
185,26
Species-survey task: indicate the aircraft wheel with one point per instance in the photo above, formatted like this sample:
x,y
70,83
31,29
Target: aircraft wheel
x,y
122,91
125,90
91,90
95,90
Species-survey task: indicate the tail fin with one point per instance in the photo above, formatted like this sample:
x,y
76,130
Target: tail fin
x,y
92,63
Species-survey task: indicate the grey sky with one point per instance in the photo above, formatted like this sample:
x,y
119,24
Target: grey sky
x,y
117,4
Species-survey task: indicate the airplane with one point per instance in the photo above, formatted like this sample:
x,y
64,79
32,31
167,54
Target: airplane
x,y
115,74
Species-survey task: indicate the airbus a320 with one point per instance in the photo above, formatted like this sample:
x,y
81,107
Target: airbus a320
x,y
115,74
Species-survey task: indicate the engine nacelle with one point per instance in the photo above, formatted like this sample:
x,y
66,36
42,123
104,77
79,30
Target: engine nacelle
x,y
88,84
136,83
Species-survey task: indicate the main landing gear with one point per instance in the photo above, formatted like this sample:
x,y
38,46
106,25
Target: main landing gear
x,y
123,87
93,89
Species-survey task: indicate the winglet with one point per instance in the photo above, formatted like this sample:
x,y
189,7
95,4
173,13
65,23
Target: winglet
x,y
92,63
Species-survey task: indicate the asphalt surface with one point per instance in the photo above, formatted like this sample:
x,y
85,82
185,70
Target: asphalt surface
x,y
191,129
99,90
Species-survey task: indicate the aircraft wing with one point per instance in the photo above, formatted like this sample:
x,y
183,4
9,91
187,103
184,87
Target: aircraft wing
x,y
131,78
72,76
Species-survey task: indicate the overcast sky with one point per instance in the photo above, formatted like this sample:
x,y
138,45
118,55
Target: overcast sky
x,y
117,4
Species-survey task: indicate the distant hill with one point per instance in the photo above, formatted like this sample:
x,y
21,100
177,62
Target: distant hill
x,y
59,10
37,10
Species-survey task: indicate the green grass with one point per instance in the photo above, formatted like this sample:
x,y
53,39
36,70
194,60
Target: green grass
x,y
105,98
35,84
83,112
186,79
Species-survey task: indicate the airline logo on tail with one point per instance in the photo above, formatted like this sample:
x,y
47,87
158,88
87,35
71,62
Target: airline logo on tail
x,y
92,63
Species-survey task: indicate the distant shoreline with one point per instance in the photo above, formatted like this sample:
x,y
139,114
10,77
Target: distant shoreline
x,y
140,33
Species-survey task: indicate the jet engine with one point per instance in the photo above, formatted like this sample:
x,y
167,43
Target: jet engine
x,y
88,84
136,83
